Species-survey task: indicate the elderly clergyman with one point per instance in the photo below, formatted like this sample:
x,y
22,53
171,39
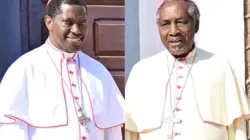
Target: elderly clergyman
x,y
184,92
56,92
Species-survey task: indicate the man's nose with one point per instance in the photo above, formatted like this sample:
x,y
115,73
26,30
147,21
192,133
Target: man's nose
x,y
75,29
174,30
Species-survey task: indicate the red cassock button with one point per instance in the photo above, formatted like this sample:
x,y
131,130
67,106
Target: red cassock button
x,y
180,67
176,134
179,87
177,109
76,98
178,98
82,123
71,72
80,109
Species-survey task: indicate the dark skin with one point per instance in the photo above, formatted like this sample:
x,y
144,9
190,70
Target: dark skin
x,y
68,29
177,28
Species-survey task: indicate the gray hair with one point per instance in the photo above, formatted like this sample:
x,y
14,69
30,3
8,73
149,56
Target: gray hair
x,y
193,10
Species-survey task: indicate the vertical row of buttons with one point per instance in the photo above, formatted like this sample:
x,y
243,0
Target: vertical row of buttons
x,y
74,86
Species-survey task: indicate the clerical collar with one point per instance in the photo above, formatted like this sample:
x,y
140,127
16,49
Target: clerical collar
x,y
183,59
63,54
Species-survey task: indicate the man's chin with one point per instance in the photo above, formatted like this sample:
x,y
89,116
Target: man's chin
x,y
72,49
179,53
76,48
176,51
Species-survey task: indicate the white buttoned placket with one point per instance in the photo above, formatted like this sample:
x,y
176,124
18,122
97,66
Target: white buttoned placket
x,y
75,94
73,76
176,85
179,79
179,74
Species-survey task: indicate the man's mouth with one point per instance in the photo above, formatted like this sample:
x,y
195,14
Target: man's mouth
x,y
176,42
79,39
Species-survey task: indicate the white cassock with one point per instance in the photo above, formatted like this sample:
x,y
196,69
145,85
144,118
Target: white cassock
x,y
197,98
42,95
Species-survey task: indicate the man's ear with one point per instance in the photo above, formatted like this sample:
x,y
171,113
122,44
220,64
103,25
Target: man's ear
x,y
49,22
197,26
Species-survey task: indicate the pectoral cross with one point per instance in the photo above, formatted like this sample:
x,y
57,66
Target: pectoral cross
x,y
170,125
83,118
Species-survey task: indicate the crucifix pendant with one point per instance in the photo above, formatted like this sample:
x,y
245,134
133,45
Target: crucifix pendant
x,y
170,125
83,118
170,129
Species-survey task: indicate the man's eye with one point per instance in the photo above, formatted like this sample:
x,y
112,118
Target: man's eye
x,y
165,24
67,22
84,23
182,23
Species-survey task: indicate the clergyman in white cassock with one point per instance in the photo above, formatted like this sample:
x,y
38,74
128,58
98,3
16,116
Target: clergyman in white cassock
x,y
184,94
50,93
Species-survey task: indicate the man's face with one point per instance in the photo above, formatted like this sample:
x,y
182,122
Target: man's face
x,y
68,29
176,28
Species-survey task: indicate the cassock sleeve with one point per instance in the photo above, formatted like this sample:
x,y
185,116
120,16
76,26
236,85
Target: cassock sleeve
x,y
113,133
129,135
18,131
237,131
13,101
132,96
236,104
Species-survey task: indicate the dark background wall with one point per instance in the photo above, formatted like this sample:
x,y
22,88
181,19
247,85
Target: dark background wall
x,y
10,42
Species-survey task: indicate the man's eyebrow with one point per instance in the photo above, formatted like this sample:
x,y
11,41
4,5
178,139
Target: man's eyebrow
x,y
164,20
67,18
